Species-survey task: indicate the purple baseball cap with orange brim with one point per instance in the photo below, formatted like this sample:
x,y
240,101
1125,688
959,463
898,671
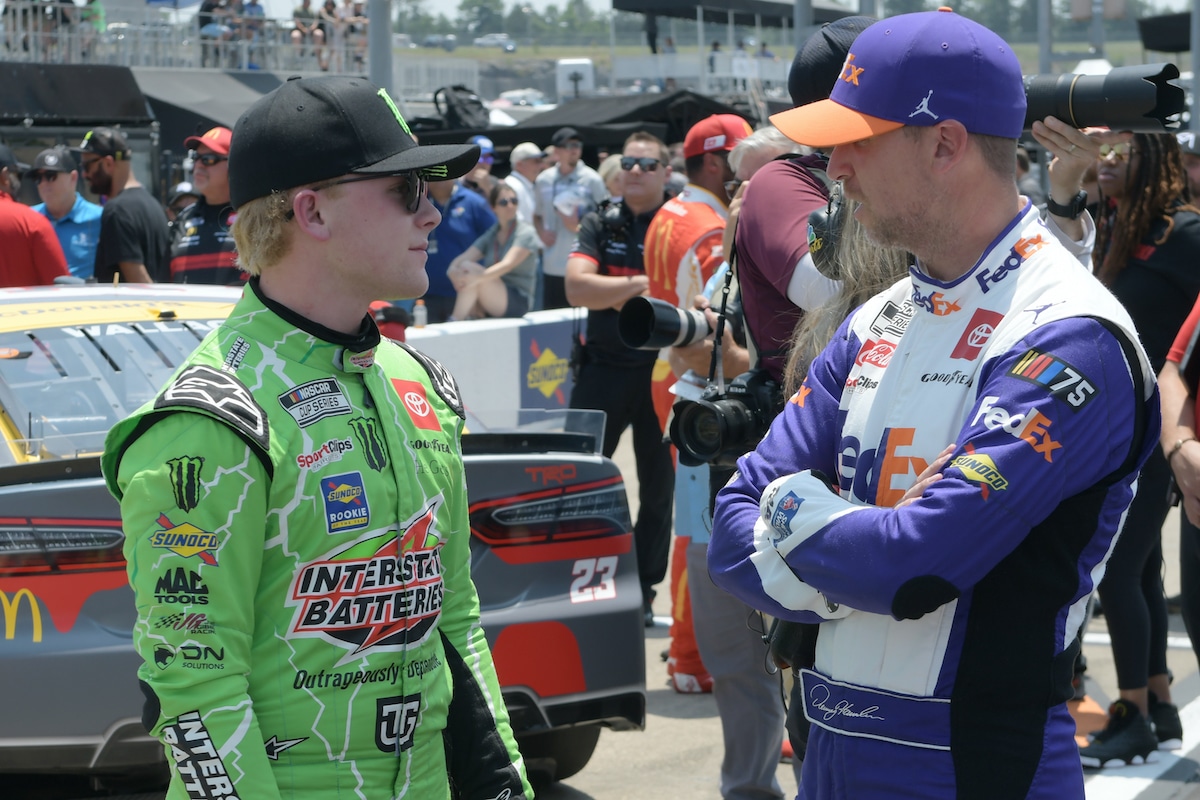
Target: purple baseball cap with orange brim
x,y
917,70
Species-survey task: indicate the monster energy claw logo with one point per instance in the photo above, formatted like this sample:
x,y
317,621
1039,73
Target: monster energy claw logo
x,y
185,480
367,433
395,111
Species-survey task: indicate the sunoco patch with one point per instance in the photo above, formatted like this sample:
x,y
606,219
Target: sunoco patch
x,y
345,499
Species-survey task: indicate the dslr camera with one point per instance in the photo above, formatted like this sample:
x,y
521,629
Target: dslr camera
x,y
720,427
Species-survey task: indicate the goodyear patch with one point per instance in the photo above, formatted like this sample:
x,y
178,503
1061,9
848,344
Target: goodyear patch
x,y
345,498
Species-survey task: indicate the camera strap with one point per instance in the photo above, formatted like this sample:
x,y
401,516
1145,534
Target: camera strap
x,y
728,291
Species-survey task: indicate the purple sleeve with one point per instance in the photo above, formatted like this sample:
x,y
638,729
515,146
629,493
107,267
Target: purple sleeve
x,y
802,437
1025,447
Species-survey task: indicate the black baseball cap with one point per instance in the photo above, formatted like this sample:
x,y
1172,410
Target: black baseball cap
x,y
817,66
105,142
564,135
55,159
9,159
315,129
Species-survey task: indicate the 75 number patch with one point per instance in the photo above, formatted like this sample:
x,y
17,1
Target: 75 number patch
x,y
1052,373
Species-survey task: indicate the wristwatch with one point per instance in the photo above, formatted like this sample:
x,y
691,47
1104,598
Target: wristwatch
x,y
1072,210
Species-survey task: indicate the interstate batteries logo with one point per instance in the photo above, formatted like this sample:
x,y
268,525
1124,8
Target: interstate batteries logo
x,y
381,593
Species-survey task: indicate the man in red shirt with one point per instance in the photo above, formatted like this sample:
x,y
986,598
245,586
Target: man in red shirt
x,y
30,254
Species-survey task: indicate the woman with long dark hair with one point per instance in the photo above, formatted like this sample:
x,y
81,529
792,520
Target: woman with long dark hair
x,y
1148,253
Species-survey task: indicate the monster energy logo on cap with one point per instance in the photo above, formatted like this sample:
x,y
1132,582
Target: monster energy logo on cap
x,y
395,111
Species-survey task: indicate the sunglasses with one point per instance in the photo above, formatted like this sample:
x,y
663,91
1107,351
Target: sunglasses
x,y
731,187
48,177
414,189
1120,151
89,163
211,159
507,201
571,145
647,164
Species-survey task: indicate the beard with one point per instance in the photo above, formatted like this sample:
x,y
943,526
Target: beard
x,y
912,229
101,183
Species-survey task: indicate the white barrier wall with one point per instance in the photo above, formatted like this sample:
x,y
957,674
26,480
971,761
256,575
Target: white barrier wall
x,y
505,364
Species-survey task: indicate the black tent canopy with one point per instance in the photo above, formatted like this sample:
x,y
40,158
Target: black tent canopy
x,y
190,102
678,110
747,13
602,122
70,95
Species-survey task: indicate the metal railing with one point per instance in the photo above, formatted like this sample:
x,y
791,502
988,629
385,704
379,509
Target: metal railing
x,y
38,31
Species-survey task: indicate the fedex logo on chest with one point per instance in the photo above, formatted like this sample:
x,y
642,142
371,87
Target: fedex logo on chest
x,y
879,475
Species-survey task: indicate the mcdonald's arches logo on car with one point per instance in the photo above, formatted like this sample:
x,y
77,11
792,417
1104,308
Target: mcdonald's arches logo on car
x,y
11,609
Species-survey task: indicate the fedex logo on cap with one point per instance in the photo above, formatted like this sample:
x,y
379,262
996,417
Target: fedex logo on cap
x,y
851,73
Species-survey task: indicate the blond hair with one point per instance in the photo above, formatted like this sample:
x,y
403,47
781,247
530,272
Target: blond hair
x,y
261,232
865,269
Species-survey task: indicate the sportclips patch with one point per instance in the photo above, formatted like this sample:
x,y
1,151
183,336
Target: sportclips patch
x,y
314,401
194,756
381,593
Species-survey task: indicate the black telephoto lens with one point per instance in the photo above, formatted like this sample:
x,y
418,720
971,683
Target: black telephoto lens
x,y
1137,98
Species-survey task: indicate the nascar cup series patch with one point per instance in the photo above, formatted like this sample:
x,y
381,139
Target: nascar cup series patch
x,y
314,401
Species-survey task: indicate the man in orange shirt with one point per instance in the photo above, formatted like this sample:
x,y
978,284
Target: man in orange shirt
x,y
30,254
683,250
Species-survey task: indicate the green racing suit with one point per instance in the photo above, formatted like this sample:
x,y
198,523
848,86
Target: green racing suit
x,y
295,511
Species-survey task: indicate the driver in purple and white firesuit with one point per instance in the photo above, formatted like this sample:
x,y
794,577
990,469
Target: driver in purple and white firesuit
x,y
943,490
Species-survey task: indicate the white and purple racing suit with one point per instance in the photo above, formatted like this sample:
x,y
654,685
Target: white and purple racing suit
x,y
945,655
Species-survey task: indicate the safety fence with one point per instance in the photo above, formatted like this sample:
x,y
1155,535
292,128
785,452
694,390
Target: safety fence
x,y
37,31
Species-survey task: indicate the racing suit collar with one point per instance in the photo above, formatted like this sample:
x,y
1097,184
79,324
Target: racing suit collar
x,y
974,281
365,339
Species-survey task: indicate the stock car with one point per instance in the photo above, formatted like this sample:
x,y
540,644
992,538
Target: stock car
x,y
550,538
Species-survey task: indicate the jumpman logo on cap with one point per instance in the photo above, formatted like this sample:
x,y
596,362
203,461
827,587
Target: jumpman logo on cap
x,y
923,107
